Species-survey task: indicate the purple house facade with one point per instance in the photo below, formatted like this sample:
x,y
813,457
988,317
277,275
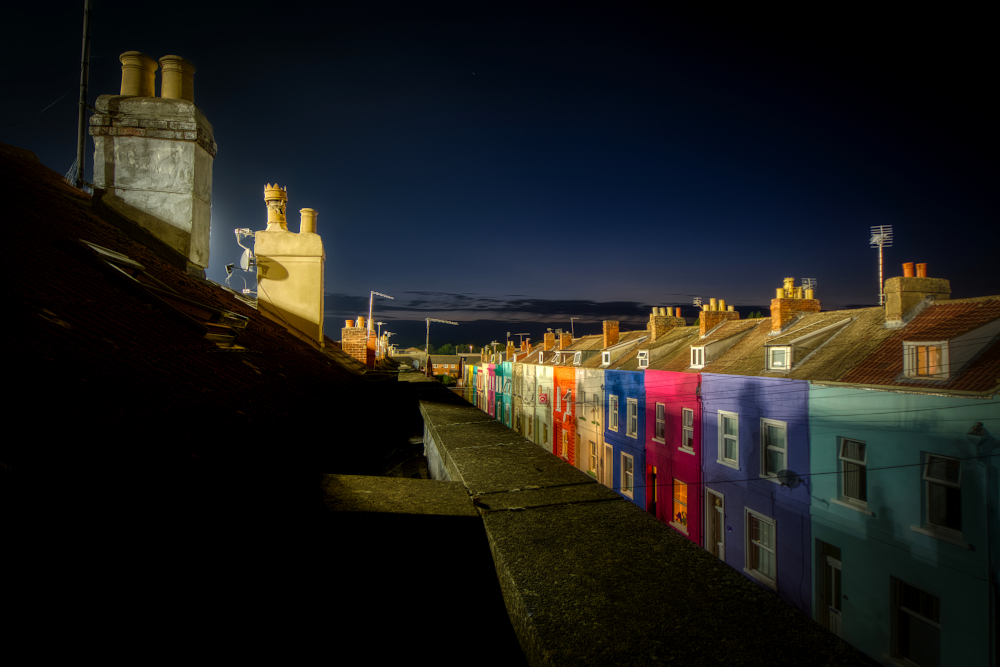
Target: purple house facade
x,y
755,446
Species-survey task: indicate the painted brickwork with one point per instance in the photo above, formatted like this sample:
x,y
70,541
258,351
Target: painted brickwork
x,y
669,457
564,413
626,445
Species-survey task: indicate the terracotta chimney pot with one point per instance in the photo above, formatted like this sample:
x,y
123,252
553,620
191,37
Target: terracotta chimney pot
x,y
138,74
908,270
921,270
177,80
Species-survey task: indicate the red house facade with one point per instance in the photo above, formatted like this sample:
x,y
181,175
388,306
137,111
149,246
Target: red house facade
x,y
564,413
673,451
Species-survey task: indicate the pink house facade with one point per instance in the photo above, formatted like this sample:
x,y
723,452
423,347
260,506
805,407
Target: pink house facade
x,y
673,451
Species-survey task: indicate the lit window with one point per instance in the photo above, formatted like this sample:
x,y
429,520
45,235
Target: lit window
x,y
773,447
854,471
729,439
680,509
628,475
922,360
613,412
760,556
943,478
633,417
565,444
661,421
918,624
687,437
779,358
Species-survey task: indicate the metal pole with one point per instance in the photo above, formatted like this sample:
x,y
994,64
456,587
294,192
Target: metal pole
x,y
427,350
881,289
371,298
81,137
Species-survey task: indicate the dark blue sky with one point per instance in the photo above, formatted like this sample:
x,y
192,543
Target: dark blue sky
x,y
512,167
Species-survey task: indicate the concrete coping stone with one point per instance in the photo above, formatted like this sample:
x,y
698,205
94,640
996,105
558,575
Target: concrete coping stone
x,y
396,495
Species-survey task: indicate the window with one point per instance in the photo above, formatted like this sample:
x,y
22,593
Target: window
x,y
633,417
628,475
729,439
773,447
593,458
643,357
661,422
687,436
567,401
680,510
926,360
697,357
760,556
605,358
942,478
779,358
565,444
545,433
854,471
577,358
917,616
558,400
613,412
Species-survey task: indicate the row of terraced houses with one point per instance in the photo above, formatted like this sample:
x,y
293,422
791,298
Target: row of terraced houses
x,y
846,460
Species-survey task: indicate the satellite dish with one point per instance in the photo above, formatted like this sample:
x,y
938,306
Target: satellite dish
x,y
246,260
789,478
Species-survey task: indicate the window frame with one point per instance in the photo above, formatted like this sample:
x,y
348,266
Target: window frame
x,y
629,489
766,446
613,412
643,358
928,482
698,357
660,431
687,428
787,350
842,462
674,502
721,452
593,458
769,581
911,360
899,611
632,417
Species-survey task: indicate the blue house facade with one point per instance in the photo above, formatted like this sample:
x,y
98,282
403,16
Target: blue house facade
x,y
904,533
625,432
755,454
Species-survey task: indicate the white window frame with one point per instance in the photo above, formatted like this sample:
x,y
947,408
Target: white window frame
x,y
930,482
643,357
721,454
698,357
762,577
844,464
627,478
577,358
605,358
632,417
787,350
687,428
613,412
766,446
568,402
660,434
558,400
911,355
921,624
593,458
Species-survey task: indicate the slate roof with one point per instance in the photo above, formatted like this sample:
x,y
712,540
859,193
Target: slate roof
x,y
940,321
660,351
94,353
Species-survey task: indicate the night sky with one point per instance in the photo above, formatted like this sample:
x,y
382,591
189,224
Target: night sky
x,y
510,167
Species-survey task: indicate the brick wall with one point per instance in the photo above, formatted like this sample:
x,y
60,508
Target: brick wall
x,y
784,311
354,342
565,340
549,341
709,319
610,333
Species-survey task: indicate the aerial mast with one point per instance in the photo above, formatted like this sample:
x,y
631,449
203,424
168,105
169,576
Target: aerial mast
x,y
881,238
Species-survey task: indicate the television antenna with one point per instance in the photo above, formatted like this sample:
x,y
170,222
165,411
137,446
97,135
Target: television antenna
x,y
371,300
809,283
572,330
697,301
520,340
881,238
427,349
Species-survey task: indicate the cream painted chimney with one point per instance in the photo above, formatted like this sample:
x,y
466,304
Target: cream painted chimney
x,y
290,270
904,293
154,155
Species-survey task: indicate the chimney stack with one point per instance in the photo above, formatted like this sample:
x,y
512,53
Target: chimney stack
x,y
154,155
548,341
290,271
565,340
510,350
660,324
352,341
610,333
904,293
789,302
714,313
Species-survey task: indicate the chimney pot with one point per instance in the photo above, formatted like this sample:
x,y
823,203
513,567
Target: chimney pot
x,y
921,270
361,322
308,224
177,79
722,304
908,270
138,74
713,304
678,311
349,324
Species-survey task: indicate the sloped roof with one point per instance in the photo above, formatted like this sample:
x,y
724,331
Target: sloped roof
x,y
93,355
726,329
675,339
939,321
592,342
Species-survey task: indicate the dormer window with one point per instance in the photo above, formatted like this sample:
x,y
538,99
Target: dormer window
x,y
697,357
926,360
605,358
779,358
577,358
643,357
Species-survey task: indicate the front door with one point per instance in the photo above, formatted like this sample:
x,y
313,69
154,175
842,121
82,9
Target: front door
x,y
609,466
715,530
831,593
